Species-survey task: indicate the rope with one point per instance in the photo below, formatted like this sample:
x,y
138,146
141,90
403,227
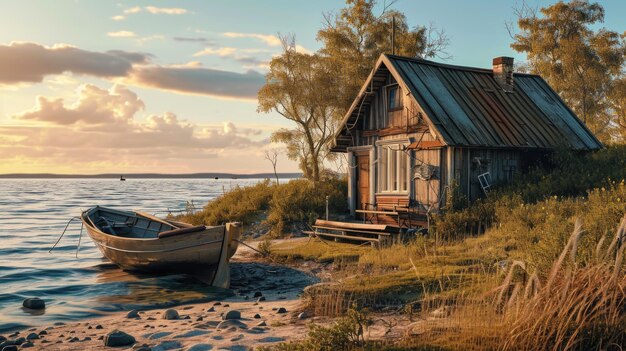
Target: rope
x,y
253,249
80,236
64,230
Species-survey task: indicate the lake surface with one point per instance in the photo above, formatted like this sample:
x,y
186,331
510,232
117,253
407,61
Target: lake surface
x,y
33,213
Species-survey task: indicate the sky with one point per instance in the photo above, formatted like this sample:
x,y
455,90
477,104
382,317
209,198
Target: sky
x,y
95,86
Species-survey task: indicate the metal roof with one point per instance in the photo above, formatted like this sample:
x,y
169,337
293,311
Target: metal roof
x,y
466,106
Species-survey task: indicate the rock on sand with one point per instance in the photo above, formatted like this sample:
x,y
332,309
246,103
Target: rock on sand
x,y
170,314
232,314
118,338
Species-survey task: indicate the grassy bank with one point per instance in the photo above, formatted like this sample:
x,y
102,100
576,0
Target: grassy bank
x,y
284,207
547,273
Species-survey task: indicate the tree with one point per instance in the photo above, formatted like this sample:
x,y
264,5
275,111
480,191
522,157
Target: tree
x,y
301,88
272,156
618,105
354,38
315,90
581,64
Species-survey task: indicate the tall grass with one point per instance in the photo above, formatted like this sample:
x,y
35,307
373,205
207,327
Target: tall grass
x,y
575,308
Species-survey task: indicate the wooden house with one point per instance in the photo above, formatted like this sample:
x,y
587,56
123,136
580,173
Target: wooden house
x,y
418,129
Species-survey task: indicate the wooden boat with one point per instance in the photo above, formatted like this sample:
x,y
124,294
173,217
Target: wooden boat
x,y
142,242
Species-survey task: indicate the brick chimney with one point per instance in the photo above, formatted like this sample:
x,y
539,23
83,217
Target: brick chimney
x,y
503,72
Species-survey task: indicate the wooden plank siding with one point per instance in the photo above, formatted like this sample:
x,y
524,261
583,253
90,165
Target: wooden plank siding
x,y
456,120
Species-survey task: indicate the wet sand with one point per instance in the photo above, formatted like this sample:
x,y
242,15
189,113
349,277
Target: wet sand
x,y
200,326
264,320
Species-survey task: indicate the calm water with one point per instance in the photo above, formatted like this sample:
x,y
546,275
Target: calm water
x,y
33,213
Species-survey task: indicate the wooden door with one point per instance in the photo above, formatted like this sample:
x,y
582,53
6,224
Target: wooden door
x,y
363,180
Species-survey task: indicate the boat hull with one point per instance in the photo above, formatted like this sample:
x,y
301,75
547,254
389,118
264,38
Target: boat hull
x,y
200,253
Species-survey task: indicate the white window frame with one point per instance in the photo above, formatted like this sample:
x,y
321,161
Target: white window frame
x,y
393,185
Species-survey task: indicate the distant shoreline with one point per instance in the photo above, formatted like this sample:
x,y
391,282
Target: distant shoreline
x,y
149,176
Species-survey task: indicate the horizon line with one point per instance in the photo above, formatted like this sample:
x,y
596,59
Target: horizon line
x,y
153,175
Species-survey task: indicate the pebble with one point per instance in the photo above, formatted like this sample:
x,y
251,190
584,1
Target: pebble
x,y
9,348
144,347
132,314
281,310
217,304
257,316
232,314
199,319
99,326
2,338
170,314
304,315
27,345
258,294
212,309
34,303
262,324
74,339
32,336
118,338
226,305
43,332
87,338
261,299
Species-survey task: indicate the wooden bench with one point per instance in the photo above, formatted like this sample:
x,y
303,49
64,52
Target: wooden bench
x,y
372,233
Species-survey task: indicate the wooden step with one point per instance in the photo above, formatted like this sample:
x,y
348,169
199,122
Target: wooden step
x,y
347,237
356,226
351,230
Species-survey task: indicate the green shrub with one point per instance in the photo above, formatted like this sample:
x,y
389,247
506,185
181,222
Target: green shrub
x,y
298,201
241,204
347,333
568,176
303,201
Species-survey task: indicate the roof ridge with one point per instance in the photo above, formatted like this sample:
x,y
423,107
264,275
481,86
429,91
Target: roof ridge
x,y
450,66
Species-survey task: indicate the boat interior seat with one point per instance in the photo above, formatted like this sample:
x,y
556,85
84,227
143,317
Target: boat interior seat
x,y
179,231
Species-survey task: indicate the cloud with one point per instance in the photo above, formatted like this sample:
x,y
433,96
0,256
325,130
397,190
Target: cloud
x,y
239,55
268,39
30,62
152,10
201,40
199,80
135,9
101,132
166,10
93,106
122,34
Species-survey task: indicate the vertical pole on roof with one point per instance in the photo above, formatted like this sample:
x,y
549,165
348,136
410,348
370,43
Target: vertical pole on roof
x,y
393,35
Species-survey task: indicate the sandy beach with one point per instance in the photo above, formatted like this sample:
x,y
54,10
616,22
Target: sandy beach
x,y
265,295
274,315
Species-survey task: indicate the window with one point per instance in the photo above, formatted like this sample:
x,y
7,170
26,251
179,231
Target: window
x,y
394,100
393,169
